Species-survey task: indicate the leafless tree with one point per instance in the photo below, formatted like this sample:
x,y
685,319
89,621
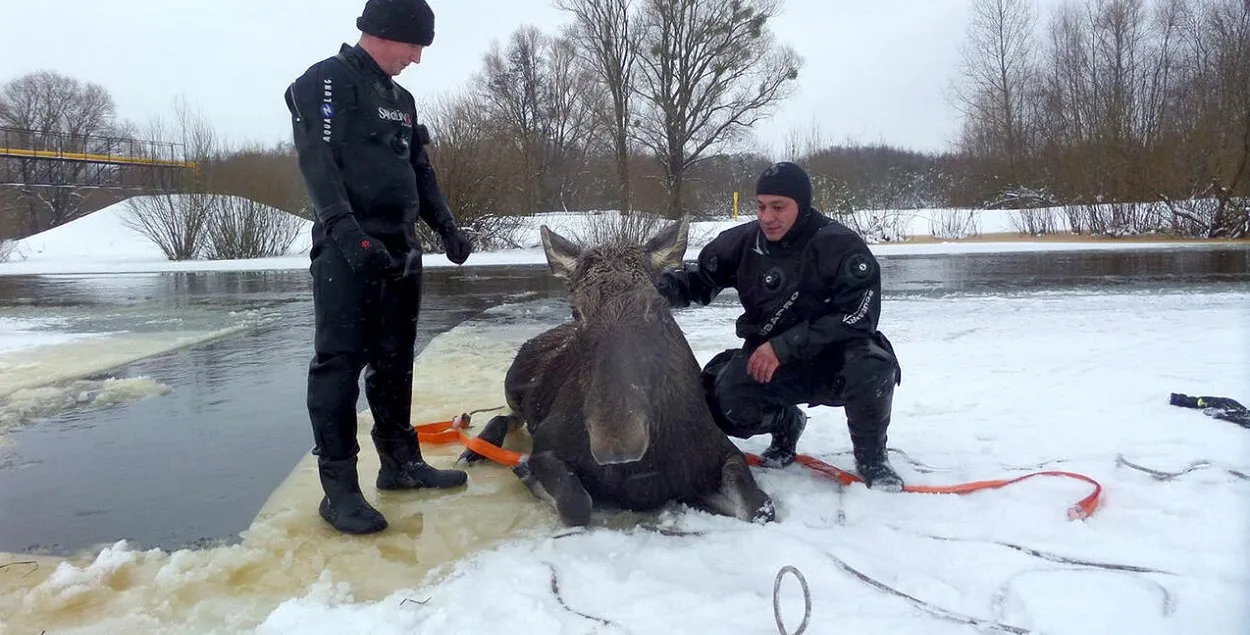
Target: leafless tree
x,y
803,143
603,33
995,76
1228,26
55,112
177,221
708,71
570,113
537,97
475,171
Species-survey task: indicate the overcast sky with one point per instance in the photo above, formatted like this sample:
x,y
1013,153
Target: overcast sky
x,y
875,70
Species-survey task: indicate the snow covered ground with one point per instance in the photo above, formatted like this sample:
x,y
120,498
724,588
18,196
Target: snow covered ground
x,y
993,387
101,242
1072,383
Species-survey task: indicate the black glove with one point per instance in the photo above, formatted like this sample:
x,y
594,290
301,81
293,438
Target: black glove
x,y
668,289
456,245
364,253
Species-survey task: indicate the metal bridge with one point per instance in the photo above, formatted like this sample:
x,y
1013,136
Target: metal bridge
x,y
30,158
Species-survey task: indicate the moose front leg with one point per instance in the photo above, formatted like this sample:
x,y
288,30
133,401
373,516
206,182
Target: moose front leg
x,y
550,479
739,495
494,433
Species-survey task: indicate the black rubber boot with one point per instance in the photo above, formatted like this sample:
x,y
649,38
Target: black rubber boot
x,y
343,506
403,467
874,467
868,419
786,425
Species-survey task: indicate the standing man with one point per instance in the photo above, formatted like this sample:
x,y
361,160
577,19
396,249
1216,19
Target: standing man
x,y
363,158
811,293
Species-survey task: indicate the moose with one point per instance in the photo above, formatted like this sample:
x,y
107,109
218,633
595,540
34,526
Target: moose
x,y
612,398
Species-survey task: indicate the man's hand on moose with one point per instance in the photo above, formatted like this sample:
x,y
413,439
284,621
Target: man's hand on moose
x,y
763,363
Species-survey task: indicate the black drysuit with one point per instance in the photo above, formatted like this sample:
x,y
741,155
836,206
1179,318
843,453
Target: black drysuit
x,y
815,295
364,161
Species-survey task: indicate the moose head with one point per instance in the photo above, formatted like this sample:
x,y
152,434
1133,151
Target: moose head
x,y
608,281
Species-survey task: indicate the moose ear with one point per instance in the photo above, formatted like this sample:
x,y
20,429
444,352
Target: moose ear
x,y
561,254
667,249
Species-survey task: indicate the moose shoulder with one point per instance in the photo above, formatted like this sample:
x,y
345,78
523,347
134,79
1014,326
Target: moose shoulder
x,y
613,399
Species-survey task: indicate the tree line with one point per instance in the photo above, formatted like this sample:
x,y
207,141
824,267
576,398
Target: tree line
x,y
1111,101
649,106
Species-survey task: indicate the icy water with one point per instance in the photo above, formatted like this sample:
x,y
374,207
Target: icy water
x,y
183,448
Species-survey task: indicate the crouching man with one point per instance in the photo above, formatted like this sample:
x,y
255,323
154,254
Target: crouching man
x,y
811,294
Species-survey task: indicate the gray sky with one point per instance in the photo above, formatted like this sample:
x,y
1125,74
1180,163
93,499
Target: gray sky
x,y
875,70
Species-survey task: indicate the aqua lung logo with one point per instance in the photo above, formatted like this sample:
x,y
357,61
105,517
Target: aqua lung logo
x,y
400,116
327,109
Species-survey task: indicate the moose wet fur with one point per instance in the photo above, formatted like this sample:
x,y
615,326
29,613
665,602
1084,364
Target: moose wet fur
x,y
613,399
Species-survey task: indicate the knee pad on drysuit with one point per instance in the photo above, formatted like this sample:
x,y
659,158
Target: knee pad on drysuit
x,y
869,371
866,369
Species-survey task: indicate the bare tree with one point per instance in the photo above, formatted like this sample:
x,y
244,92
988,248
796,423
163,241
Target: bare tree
x,y
475,171
536,96
708,71
177,221
570,118
994,80
603,34
801,143
1229,27
54,112
510,85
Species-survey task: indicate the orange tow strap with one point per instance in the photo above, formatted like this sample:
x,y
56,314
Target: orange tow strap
x,y
441,432
1083,508
450,431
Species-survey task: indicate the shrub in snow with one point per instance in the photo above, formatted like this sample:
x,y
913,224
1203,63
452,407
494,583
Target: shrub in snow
x,y
176,223
1035,222
954,224
876,226
242,228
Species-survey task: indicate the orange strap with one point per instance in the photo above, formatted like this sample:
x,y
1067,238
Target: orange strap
x,y
1083,508
441,432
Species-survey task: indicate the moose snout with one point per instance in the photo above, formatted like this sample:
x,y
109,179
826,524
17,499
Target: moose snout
x,y
621,441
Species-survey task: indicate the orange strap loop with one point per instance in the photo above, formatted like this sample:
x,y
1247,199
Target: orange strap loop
x,y
442,432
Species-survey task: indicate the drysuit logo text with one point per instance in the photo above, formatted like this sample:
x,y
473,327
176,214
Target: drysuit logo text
x,y
327,109
395,115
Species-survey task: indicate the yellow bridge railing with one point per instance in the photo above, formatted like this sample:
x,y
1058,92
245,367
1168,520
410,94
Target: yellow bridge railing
x,y
59,146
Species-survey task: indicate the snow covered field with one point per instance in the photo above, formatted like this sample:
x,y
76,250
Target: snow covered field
x,y
102,243
993,387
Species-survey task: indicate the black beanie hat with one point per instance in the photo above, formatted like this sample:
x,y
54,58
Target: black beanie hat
x,y
787,179
410,21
